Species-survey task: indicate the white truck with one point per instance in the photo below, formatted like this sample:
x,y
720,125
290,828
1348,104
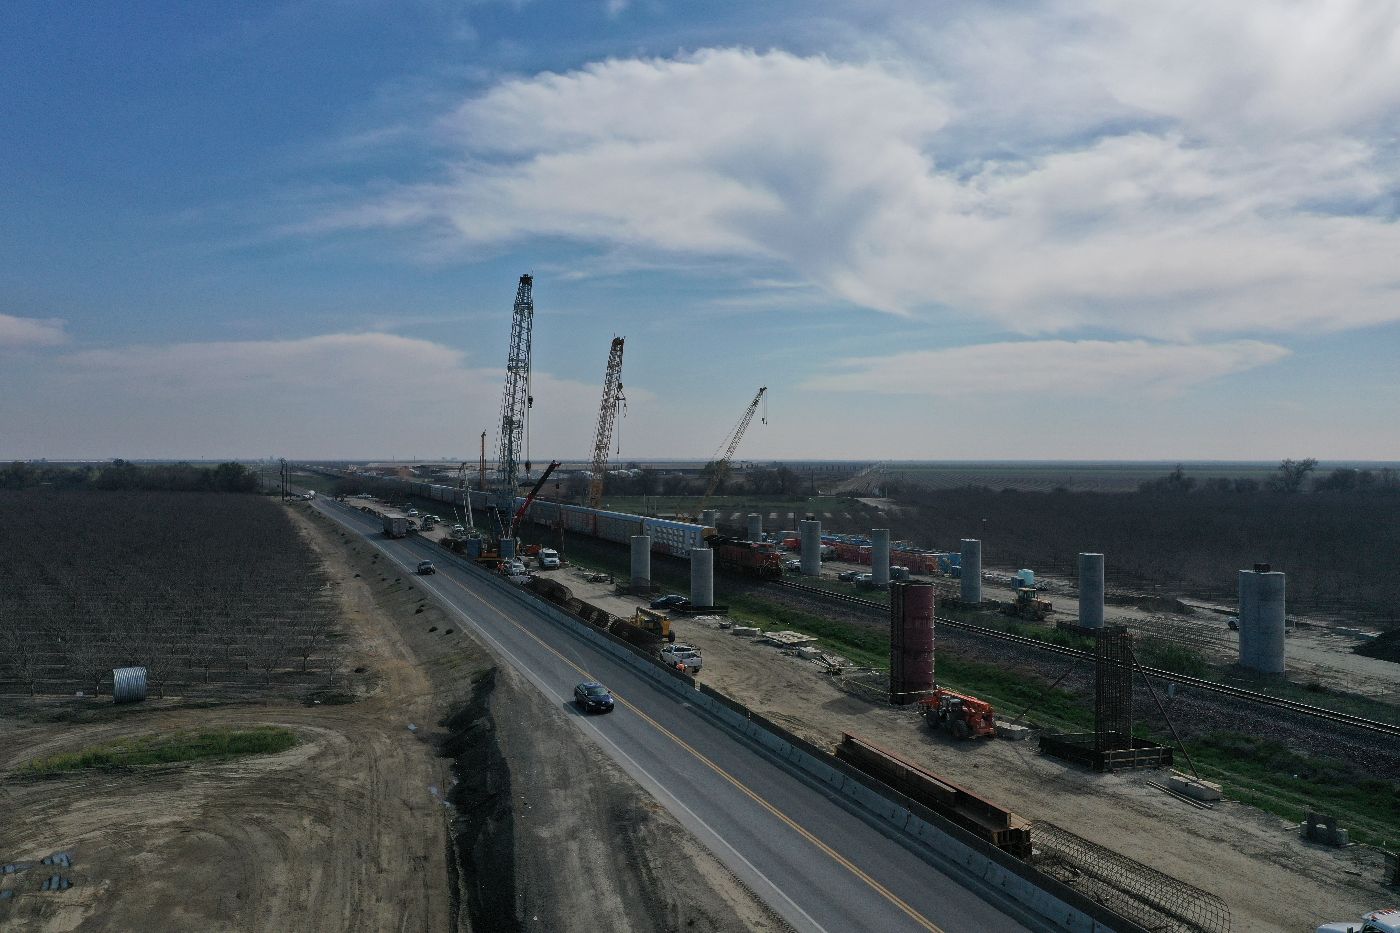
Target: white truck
x,y
683,654
395,524
549,559
1377,921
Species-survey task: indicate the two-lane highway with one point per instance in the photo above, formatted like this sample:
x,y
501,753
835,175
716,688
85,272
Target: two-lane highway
x,y
801,848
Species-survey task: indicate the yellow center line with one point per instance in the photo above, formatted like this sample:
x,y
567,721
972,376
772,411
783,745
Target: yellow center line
x,y
749,792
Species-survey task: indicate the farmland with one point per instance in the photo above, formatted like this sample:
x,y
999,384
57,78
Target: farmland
x,y
212,592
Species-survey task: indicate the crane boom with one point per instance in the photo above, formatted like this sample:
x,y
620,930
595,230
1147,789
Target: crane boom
x,y
515,397
607,416
515,519
721,466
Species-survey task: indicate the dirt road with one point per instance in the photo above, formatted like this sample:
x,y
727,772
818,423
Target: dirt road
x,y
350,830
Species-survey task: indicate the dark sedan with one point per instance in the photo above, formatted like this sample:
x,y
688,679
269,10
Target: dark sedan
x,y
669,602
593,697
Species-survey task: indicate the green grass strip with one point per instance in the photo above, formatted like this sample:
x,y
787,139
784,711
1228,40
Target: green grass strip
x,y
171,748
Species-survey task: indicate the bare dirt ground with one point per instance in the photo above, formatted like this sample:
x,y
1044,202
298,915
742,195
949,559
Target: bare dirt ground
x,y
1272,881
349,829
1316,650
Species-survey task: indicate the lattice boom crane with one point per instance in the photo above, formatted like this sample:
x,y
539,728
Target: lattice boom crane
x,y
607,417
515,398
721,465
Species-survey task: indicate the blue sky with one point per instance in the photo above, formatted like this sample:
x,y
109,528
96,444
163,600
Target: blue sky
x,y
949,231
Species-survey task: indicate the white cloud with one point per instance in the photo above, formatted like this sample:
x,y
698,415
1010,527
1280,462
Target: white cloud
x,y
1055,367
328,395
880,184
30,332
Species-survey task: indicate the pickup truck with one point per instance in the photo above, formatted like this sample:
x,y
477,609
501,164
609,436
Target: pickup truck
x,y
690,656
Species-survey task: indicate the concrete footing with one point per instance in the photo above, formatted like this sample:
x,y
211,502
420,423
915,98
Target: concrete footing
x,y
1193,788
1324,829
1007,730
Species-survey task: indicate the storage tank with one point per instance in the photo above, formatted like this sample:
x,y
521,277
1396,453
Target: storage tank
x,y
702,577
128,684
911,641
1262,620
1025,578
641,563
1091,590
811,532
971,571
880,556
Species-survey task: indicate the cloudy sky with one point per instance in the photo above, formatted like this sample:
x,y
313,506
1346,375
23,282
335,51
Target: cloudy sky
x,y
934,230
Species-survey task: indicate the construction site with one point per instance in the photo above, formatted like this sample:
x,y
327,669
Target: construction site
x,y
1073,756
1088,775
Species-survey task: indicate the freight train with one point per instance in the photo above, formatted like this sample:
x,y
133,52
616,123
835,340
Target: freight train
x,y
675,538
749,558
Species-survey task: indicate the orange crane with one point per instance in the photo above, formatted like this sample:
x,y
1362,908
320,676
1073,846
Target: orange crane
x,y
607,417
720,465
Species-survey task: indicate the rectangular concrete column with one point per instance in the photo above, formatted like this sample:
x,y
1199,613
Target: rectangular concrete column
x,y
811,533
507,548
971,570
1262,620
755,526
702,577
880,556
1091,590
641,562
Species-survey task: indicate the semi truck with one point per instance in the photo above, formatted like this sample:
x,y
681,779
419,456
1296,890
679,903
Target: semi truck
x,y
395,524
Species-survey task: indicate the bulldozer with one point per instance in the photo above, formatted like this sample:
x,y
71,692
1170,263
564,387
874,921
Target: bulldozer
x,y
1027,606
963,716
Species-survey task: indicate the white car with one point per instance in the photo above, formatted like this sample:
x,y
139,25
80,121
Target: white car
x,y
686,654
515,567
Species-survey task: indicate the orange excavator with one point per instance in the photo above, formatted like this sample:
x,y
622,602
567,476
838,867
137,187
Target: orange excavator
x,y
964,717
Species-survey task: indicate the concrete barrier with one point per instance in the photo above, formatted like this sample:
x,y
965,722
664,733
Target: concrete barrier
x,y
995,871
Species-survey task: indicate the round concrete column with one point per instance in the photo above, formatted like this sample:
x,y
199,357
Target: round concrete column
x,y
811,534
641,562
709,518
702,577
1091,590
971,570
880,556
1262,619
755,526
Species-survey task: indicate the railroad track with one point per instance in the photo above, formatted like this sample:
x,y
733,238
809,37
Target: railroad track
x,y
1253,696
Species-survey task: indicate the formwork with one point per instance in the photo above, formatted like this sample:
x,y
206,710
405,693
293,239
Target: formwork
x,y
1106,752
911,641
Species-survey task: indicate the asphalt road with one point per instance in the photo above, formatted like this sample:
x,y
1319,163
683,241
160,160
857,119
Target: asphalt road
x,y
800,848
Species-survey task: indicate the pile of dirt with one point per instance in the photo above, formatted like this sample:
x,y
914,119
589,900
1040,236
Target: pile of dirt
x,y
1386,647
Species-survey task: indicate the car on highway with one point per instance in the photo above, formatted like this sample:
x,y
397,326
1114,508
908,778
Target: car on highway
x,y
676,655
670,601
592,697
848,576
426,567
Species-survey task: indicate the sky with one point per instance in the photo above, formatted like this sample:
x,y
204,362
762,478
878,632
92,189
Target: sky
x,y
1015,230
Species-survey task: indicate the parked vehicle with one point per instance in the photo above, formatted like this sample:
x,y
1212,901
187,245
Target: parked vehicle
x,y
549,559
964,717
669,601
514,567
412,512
426,567
1377,921
848,576
792,566
682,654
593,697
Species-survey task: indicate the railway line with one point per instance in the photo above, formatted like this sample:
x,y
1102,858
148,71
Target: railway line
x,y
1253,696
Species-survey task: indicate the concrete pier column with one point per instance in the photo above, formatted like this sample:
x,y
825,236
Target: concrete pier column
x,y
641,563
709,518
1091,590
880,556
1262,620
702,577
507,548
755,526
810,531
971,570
